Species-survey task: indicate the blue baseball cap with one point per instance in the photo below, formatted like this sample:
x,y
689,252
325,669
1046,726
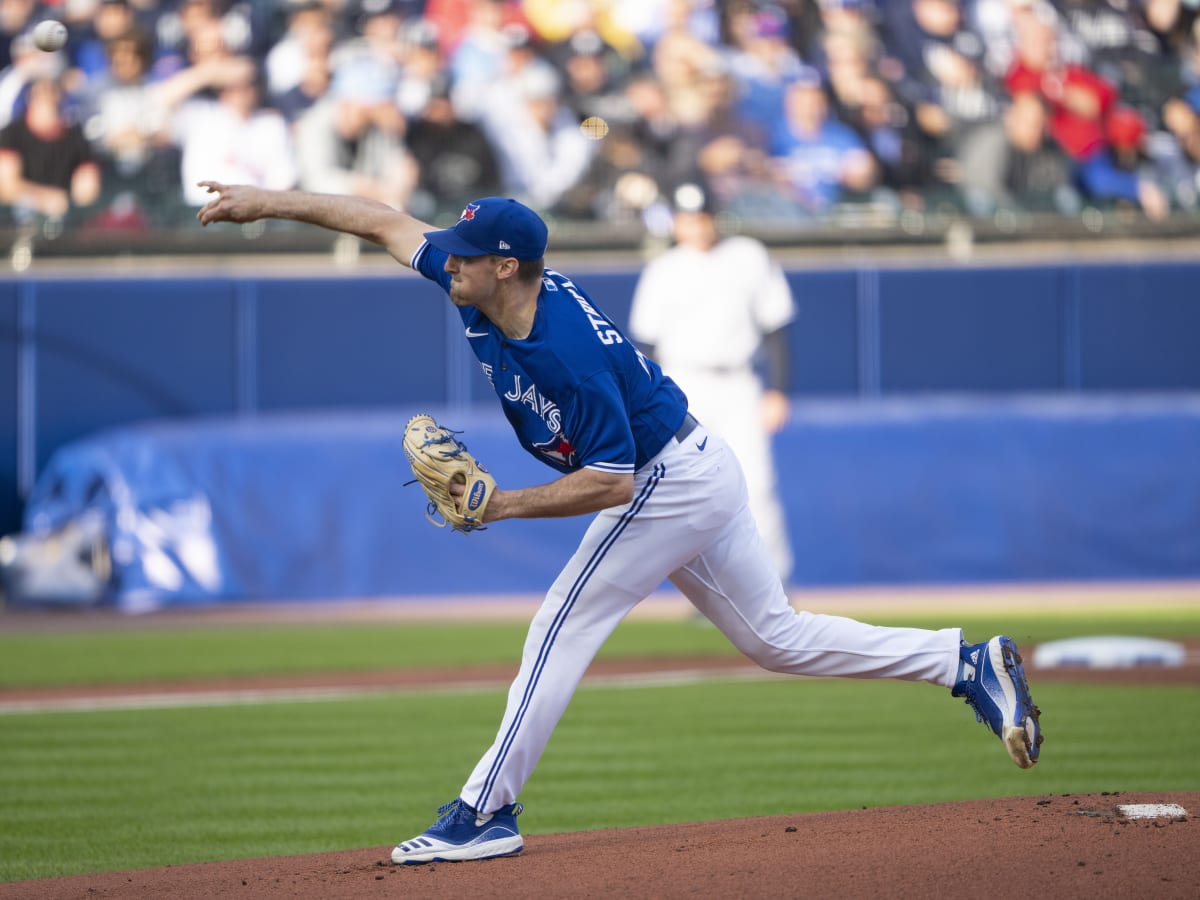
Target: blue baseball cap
x,y
497,225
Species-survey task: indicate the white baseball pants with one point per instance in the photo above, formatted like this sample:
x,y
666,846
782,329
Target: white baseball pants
x,y
689,522
728,403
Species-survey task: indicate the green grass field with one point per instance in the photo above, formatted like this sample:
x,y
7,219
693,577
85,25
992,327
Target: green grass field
x,y
107,790
106,657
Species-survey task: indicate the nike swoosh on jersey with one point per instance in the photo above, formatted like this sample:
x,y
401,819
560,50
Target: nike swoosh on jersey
x,y
472,334
702,444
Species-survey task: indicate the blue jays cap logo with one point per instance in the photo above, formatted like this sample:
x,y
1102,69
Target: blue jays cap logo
x,y
497,225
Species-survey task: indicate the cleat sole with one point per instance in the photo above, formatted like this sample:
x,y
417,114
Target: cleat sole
x,y
1024,739
489,850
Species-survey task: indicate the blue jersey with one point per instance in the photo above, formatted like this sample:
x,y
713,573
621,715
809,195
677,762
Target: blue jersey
x,y
576,391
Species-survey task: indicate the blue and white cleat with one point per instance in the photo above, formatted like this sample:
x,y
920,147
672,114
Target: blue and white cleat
x,y
462,833
992,679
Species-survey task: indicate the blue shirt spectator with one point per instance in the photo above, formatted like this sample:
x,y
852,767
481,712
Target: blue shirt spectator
x,y
816,157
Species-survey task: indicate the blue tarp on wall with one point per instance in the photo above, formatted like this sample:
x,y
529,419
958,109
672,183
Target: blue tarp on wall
x,y
951,489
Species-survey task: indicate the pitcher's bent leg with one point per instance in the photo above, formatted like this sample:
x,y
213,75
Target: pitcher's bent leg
x,y
734,584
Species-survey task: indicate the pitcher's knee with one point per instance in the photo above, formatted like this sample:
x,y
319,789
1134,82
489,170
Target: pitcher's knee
x,y
773,659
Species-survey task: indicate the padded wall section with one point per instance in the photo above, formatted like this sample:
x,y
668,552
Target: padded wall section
x,y
349,342
10,501
1139,327
979,490
110,353
894,492
970,330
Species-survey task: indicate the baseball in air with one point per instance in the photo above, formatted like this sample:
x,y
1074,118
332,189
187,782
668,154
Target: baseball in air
x,y
594,128
50,35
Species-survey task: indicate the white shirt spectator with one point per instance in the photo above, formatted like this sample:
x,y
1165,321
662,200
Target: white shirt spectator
x,y
233,141
540,149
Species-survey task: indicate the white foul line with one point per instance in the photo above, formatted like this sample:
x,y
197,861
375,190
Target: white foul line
x,y
236,697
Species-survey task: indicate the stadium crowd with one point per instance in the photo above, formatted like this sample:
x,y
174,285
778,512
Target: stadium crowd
x,y
597,109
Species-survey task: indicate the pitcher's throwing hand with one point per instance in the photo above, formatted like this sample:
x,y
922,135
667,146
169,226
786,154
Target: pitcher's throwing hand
x,y
232,203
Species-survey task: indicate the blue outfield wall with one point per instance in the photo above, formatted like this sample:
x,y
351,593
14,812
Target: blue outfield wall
x,y
1057,365
889,491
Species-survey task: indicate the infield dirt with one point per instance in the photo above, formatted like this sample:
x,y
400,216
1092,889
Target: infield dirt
x,y
1066,847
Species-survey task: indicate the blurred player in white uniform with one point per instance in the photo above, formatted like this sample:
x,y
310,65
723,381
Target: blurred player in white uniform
x,y
705,310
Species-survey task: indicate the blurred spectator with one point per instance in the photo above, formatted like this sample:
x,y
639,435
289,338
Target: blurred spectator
x,y
1180,155
1081,103
686,88
649,21
707,135
455,19
681,63
316,78
595,77
903,154
302,50
541,150
17,17
1079,99
234,139
188,33
47,167
666,135
1170,64
841,13
495,43
762,64
860,96
367,67
343,148
455,161
351,141
1171,22
28,65
642,157
807,21
958,106
729,155
89,49
849,55
1119,47
129,125
1141,59
997,21
1154,158
421,67
521,56
1189,59
1038,175
556,22
817,158
920,34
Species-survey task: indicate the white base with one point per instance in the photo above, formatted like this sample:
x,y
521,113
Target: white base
x,y
1109,652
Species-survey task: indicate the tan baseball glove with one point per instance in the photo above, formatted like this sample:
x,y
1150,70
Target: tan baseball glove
x,y
439,459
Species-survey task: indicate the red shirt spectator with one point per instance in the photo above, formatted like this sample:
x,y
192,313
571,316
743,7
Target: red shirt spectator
x,y
1079,100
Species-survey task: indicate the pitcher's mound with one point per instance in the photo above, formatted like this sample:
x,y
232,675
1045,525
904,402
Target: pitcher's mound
x,y
1070,847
